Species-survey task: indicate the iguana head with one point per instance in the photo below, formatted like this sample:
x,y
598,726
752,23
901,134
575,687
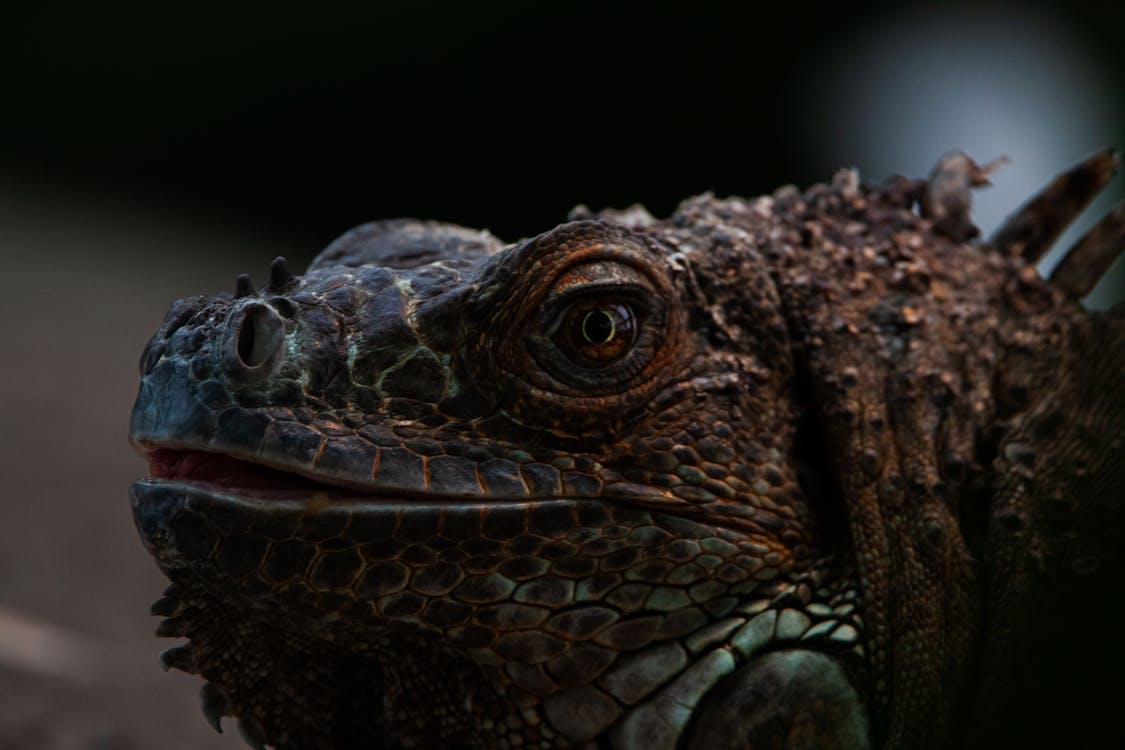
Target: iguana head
x,y
546,490
803,471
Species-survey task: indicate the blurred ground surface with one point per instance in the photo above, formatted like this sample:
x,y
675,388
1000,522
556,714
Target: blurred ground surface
x,y
86,279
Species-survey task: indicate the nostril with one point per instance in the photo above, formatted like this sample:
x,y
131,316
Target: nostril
x,y
257,337
256,341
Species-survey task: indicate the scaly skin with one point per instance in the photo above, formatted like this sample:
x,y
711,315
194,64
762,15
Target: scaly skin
x,y
723,480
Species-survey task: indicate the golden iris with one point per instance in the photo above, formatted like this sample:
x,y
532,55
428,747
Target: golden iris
x,y
598,331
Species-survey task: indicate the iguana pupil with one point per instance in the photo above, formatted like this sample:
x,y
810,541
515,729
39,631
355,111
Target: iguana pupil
x,y
598,327
599,332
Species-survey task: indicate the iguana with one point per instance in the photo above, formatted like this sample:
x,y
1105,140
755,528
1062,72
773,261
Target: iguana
x,y
812,470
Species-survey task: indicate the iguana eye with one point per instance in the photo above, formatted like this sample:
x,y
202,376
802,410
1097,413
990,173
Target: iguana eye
x,y
587,311
596,332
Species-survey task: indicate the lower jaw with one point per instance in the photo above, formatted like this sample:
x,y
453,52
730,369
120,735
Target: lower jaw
x,y
227,548
158,501
335,693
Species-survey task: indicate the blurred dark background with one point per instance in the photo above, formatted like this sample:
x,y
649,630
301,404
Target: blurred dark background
x,y
306,121
153,150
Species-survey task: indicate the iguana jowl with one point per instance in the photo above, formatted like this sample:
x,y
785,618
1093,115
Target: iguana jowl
x,y
799,471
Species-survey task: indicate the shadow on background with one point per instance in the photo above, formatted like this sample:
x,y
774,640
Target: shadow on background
x,y
149,153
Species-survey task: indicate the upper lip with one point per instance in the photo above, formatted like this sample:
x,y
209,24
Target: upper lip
x,y
234,471
174,462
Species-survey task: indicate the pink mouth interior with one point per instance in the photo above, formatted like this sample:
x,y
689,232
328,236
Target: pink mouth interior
x,y
219,469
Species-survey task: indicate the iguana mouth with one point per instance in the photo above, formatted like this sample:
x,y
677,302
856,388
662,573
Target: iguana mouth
x,y
225,471
256,479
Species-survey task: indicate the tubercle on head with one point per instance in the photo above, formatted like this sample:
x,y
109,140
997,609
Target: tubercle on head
x,y
281,280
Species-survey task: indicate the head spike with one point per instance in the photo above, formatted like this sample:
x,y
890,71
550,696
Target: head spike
x,y
243,286
214,704
178,657
947,195
281,278
252,732
1035,226
1083,266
